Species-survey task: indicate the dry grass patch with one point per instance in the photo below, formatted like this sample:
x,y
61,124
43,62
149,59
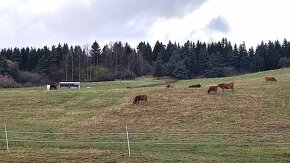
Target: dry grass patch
x,y
182,109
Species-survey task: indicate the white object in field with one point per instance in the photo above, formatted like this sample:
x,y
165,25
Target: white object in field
x,y
47,87
127,134
6,137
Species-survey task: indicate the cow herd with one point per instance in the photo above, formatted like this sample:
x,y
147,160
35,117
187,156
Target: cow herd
x,y
211,89
223,86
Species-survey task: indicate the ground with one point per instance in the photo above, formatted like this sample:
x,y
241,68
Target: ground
x,y
177,124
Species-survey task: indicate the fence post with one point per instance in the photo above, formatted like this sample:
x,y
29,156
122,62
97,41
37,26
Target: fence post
x,y
6,136
127,133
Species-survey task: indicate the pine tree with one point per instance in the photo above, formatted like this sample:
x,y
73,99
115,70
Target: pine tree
x,y
158,67
2,65
16,56
24,58
261,51
284,62
277,54
244,64
216,65
172,64
65,58
44,61
104,55
158,51
228,53
71,55
286,48
146,51
54,69
203,60
78,52
180,70
190,57
33,60
95,53
235,62
170,48
257,64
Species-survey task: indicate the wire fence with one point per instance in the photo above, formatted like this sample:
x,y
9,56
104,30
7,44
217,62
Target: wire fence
x,y
145,138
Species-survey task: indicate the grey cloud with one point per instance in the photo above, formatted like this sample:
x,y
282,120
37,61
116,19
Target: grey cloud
x,y
218,24
99,19
115,18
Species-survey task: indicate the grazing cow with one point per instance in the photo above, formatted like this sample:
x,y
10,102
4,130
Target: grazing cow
x,y
53,87
140,98
195,86
270,78
212,89
224,86
169,86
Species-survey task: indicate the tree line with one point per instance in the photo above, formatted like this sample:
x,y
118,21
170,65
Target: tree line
x,y
117,60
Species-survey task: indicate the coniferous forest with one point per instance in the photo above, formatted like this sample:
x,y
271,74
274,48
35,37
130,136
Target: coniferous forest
x,y
116,60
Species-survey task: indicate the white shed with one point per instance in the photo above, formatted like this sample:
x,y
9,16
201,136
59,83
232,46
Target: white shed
x,y
69,85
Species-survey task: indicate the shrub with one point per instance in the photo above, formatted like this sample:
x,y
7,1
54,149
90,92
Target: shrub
x,y
125,75
28,77
7,82
107,76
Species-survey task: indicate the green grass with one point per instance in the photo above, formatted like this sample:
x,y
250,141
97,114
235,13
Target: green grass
x,y
255,107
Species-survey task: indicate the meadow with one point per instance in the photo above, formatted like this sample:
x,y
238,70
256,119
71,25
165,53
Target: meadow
x,y
180,124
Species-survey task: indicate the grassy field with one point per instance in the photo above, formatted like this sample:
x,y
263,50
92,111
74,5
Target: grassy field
x,y
243,126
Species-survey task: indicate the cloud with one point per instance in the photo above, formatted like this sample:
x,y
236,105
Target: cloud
x,y
31,22
118,19
218,24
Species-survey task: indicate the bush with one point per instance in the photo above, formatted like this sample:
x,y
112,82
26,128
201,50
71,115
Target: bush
x,y
125,75
107,76
7,82
28,77
101,73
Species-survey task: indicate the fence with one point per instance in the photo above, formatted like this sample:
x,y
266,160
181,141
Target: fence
x,y
147,138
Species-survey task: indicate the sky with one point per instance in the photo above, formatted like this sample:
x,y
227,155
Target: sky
x,y
38,23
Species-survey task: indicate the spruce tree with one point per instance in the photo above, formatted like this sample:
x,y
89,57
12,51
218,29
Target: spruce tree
x,y
180,70
145,50
244,59
257,64
203,60
158,68
2,65
158,51
16,56
216,65
95,53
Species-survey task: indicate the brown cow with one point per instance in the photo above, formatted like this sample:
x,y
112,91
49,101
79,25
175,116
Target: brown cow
x,y
140,98
212,89
270,78
169,86
224,86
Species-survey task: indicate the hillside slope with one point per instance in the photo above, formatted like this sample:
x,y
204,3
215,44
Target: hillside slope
x,y
179,124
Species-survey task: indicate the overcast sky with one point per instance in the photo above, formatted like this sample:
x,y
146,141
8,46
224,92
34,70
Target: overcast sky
x,y
36,23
